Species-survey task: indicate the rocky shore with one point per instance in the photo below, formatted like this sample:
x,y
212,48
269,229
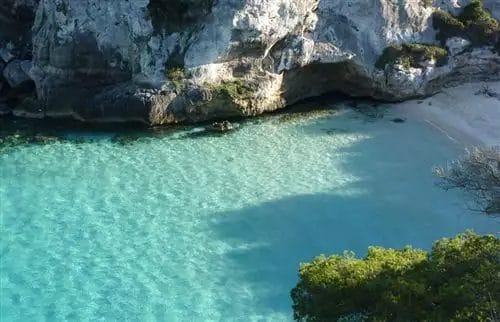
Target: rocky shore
x,y
164,62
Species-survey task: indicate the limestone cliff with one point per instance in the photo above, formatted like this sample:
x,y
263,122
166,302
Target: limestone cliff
x,y
166,61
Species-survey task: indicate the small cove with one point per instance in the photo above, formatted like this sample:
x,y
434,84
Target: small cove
x,y
176,226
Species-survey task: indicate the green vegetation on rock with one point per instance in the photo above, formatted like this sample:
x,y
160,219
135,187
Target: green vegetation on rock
x,y
475,13
457,281
411,55
447,26
474,24
176,75
236,90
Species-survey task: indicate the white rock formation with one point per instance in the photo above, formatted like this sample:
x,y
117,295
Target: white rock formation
x,y
108,59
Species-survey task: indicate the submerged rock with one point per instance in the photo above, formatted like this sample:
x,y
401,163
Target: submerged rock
x,y
25,138
398,120
220,127
125,139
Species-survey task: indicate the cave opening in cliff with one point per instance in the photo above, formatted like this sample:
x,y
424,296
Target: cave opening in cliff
x,y
335,79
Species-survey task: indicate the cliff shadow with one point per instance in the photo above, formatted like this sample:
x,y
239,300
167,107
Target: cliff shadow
x,y
393,203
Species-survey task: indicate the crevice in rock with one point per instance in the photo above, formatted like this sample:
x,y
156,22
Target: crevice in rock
x,y
177,15
176,59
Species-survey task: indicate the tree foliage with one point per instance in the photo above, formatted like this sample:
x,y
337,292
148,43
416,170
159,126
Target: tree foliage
x,y
478,173
457,281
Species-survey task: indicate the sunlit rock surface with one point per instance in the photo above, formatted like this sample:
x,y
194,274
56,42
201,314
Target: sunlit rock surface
x,y
110,60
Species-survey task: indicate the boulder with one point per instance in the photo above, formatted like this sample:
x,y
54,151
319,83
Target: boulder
x,y
5,55
16,73
457,45
220,127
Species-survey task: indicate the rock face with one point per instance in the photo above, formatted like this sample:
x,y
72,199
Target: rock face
x,y
167,61
16,20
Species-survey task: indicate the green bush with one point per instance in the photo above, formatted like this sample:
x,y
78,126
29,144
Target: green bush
x,y
474,23
474,13
484,33
236,89
447,26
411,55
457,281
389,56
176,75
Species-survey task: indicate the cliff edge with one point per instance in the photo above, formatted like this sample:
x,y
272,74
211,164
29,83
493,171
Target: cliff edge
x,y
169,61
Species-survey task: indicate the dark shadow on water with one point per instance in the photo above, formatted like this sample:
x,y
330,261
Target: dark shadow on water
x,y
393,203
269,241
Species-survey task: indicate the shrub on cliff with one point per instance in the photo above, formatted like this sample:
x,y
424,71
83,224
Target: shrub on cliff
x,y
412,55
475,13
447,26
236,90
458,280
176,75
474,23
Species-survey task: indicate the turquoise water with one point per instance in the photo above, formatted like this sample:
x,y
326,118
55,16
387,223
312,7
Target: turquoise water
x,y
178,227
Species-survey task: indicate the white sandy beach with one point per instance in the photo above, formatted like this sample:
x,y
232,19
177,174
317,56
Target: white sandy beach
x,y
464,115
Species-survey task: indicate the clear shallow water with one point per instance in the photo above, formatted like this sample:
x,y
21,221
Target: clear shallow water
x,y
175,228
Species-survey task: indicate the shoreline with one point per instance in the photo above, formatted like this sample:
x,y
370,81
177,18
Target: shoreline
x,y
462,113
